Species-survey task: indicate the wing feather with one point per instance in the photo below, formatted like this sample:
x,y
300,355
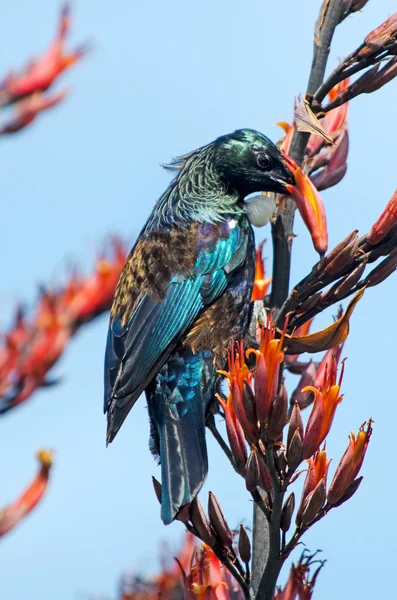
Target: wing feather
x,y
139,346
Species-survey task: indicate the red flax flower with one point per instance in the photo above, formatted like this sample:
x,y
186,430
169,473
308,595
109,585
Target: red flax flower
x,y
326,400
314,488
386,221
310,206
268,360
261,283
350,464
34,345
208,579
236,408
299,586
41,73
27,109
12,514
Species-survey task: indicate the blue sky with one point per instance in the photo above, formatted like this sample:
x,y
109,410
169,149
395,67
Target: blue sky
x,y
164,78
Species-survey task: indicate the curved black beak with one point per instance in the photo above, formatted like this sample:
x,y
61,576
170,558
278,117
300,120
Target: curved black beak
x,y
282,176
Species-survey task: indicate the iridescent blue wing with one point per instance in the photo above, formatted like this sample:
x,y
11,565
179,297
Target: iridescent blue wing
x,y
148,319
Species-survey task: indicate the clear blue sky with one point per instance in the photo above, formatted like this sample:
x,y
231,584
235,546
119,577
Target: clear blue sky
x,y
164,78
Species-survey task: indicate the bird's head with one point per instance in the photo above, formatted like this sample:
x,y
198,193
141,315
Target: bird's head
x,y
248,162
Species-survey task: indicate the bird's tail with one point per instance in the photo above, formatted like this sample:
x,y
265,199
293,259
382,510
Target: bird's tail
x,y
177,401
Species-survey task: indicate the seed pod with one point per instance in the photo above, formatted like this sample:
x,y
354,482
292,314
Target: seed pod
x,y
345,285
280,462
295,421
244,545
383,270
310,303
201,523
313,503
340,247
343,258
218,521
294,452
287,512
253,476
265,478
351,490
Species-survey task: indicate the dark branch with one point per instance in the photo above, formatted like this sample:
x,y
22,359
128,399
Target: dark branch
x,y
264,578
282,229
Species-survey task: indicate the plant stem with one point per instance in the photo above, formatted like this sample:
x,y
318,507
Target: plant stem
x,y
282,228
266,564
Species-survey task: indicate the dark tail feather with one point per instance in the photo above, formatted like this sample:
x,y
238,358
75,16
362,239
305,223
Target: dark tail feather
x,y
177,401
184,463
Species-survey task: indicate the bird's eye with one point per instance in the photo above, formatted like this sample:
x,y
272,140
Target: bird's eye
x,y
264,162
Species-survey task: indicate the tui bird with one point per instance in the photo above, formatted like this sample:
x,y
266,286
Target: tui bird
x,y
183,294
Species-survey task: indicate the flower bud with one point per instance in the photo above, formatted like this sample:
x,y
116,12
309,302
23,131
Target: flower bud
x,y
382,271
249,404
279,415
300,398
384,75
261,384
250,430
350,464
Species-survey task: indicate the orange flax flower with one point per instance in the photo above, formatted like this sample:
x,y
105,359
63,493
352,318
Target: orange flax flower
x,y
12,514
310,206
208,579
268,360
41,73
386,221
261,283
326,401
235,434
316,475
33,346
27,109
237,375
350,463
299,586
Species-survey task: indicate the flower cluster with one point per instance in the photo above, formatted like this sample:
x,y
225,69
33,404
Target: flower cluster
x,y
27,91
256,414
12,514
195,574
300,584
34,345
